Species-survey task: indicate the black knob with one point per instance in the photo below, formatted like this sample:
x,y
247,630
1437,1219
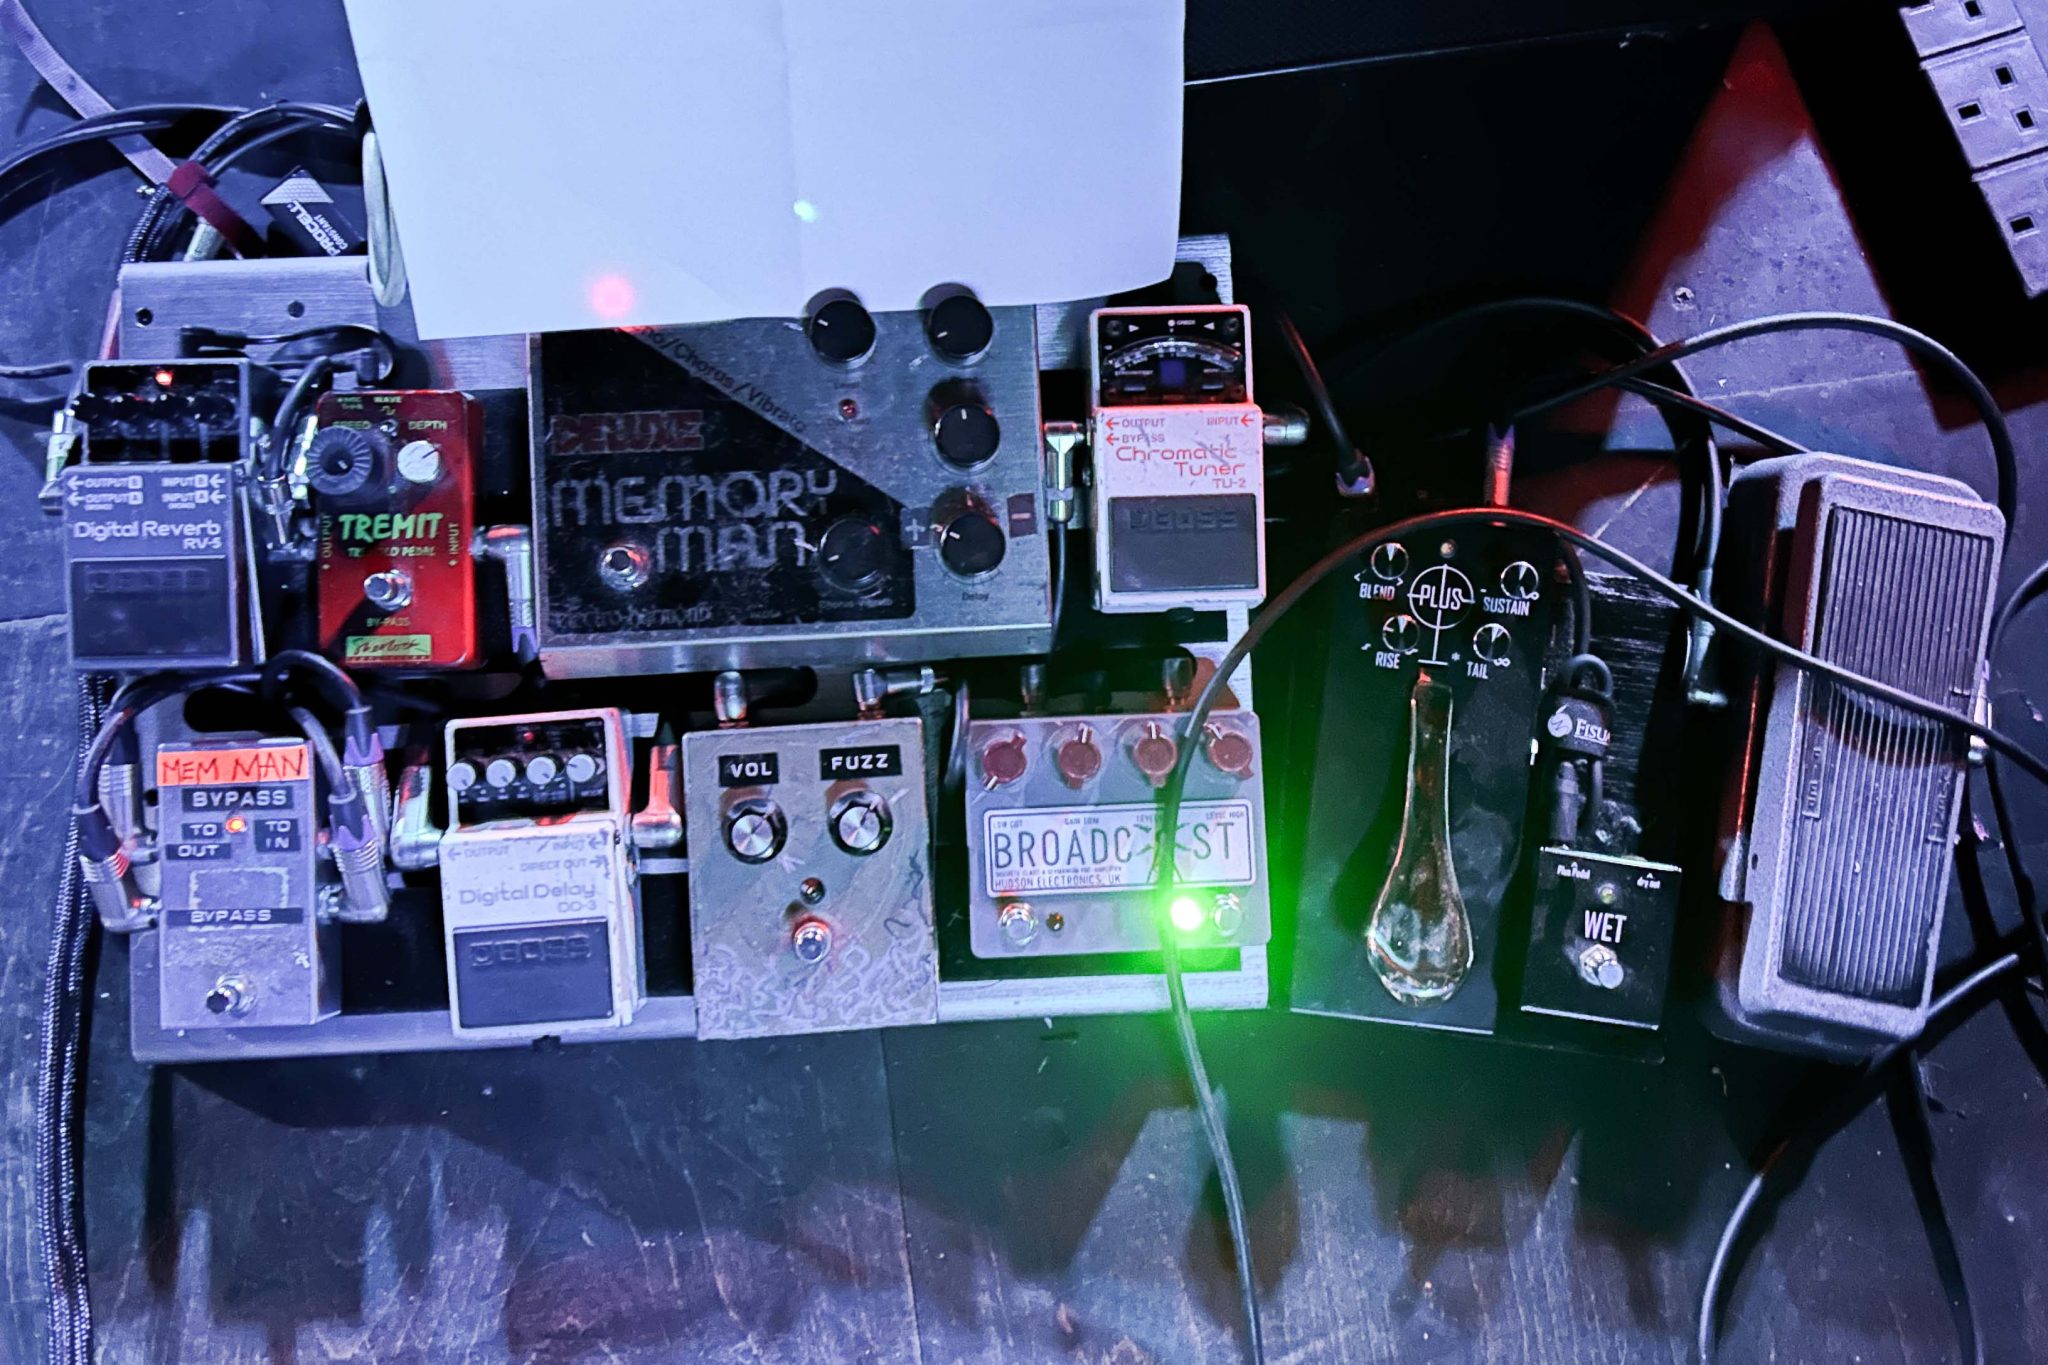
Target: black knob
x,y
852,554
959,327
841,331
966,434
972,544
344,461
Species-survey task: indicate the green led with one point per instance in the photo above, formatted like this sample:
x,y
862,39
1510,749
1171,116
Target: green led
x,y
1186,914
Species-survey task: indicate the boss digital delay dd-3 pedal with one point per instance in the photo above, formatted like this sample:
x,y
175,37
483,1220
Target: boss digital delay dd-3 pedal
x,y
538,896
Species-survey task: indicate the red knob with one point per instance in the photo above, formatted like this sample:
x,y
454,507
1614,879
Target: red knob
x,y
1078,757
1003,760
1231,751
1155,753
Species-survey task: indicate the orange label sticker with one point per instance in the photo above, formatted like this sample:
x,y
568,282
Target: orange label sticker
x,y
215,767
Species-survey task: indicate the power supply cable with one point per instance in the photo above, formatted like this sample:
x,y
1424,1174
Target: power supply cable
x,y
1165,873
1207,1108
1753,431
244,133
1919,343
1354,469
1699,458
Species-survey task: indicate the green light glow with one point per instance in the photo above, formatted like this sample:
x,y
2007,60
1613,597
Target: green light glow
x,y
1186,914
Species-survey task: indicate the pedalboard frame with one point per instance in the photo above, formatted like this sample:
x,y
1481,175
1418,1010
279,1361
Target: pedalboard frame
x,y
243,298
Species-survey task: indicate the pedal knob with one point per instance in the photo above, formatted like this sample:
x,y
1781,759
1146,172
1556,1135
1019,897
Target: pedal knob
x,y
755,831
1003,761
1156,753
959,327
972,543
860,822
1520,579
841,331
343,461
966,434
1231,751
1078,758
853,554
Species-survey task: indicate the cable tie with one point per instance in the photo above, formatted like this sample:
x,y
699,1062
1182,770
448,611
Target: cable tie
x,y
193,184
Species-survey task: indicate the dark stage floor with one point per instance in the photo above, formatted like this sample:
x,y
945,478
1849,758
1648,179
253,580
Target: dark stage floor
x,y
1038,1191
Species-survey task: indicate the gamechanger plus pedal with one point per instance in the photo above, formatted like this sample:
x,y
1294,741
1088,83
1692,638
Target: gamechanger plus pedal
x,y
1421,787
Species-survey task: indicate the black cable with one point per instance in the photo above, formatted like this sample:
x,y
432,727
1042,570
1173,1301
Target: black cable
x,y
336,687
1165,874
1850,1100
49,369
1354,468
228,143
1582,601
116,123
1913,1125
2027,591
60,1092
1742,426
204,341
1058,548
1210,1114
1706,496
324,749
1919,343
284,426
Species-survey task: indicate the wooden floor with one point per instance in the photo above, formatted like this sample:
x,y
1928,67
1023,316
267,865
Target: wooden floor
x,y
1025,1192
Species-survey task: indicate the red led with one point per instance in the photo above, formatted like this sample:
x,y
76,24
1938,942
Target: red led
x,y
236,824
611,296
164,379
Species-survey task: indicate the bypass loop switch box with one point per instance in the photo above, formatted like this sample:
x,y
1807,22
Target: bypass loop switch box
x,y
810,878
243,940
538,896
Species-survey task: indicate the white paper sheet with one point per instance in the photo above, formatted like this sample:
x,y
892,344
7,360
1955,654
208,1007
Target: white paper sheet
x,y
616,162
